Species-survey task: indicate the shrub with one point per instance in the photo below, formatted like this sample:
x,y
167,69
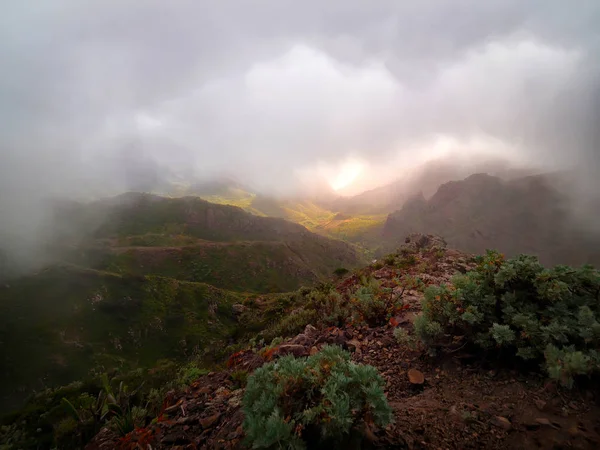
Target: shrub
x,y
390,260
239,378
318,401
369,303
403,338
292,323
374,304
545,315
189,373
340,272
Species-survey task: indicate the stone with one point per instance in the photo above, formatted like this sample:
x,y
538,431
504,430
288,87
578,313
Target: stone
x,y
236,399
210,421
353,345
238,308
416,376
222,391
501,422
302,339
309,330
540,404
292,349
546,422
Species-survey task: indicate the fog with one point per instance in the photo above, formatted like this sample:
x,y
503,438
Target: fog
x,y
99,97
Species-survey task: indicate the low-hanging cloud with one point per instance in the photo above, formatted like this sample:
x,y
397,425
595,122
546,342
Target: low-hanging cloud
x,y
104,96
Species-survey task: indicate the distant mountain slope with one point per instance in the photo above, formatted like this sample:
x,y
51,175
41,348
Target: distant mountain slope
x,y
425,179
191,239
524,215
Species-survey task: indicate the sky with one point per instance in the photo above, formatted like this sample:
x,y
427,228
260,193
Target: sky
x,y
112,95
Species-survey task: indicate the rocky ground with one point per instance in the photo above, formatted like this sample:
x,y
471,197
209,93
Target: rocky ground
x,y
451,401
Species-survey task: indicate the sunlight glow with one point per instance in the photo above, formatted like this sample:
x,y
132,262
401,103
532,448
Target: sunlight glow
x,y
346,175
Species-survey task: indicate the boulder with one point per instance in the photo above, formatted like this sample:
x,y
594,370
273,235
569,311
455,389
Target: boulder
x,y
238,308
292,349
418,241
501,422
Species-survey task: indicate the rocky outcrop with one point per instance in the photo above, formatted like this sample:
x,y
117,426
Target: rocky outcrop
x,y
419,241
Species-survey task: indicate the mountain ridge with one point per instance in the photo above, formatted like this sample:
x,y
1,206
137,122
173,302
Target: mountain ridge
x,y
523,215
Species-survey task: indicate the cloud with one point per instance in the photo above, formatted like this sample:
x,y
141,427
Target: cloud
x,y
104,96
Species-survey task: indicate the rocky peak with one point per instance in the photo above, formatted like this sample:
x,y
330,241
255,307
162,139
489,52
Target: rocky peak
x,y
419,241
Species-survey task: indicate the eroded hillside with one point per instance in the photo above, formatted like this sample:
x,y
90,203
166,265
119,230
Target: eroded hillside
x,y
523,215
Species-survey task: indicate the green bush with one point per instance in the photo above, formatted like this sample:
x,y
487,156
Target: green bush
x,y
322,400
376,305
403,338
291,324
340,272
239,378
539,314
189,373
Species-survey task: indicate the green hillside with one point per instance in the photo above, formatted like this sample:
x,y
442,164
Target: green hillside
x,y
253,266
191,239
62,323
140,277
357,228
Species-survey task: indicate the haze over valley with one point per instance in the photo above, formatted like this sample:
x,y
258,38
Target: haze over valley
x,y
187,183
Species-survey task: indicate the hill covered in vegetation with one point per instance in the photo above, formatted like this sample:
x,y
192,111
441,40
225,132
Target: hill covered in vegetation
x,y
64,323
430,346
191,239
137,278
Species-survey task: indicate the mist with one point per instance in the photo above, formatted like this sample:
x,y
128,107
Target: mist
x,y
287,97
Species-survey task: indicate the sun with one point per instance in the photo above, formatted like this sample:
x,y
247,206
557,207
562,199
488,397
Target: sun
x,y
346,175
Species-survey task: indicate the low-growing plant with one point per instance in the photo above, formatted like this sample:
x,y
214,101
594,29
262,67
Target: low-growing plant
x,y
390,260
189,373
376,305
239,378
404,338
315,402
520,307
292,323
340,272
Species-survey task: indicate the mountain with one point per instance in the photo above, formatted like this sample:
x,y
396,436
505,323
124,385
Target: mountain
x,y
523,215
139,277
191,239
423,179
461,398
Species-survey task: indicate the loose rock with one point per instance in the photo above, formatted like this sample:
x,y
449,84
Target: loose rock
x,y
416,376
501,422
210,421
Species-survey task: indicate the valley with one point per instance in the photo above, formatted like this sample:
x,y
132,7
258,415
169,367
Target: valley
x,y
149,287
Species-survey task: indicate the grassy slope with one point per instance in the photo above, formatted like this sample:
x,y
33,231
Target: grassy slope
x,y
361,229
239,266
191,239
53,329
58,324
